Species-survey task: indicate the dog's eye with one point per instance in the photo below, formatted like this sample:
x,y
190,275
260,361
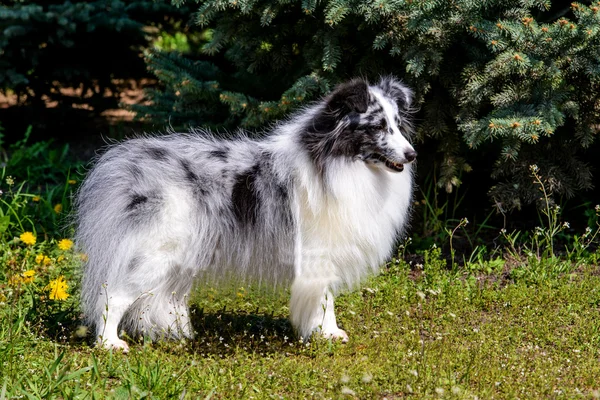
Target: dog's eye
x,y
381,125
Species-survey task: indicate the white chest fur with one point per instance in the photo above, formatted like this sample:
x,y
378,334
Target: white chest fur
x,y
349,229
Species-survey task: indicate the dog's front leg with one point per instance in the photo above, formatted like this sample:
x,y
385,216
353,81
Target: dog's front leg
x,y
312,310
329,328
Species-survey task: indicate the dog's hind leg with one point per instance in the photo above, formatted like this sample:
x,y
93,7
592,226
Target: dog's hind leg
x,y
163,312
312,310
179,317
164,315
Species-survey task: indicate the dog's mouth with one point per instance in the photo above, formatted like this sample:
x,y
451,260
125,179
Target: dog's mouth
x,y
393,165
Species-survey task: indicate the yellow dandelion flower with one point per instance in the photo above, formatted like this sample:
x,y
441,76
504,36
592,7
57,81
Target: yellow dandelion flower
x,y
28,276
58,289
72,181
36,198
28,238
65,244
15,280
41,259
58,208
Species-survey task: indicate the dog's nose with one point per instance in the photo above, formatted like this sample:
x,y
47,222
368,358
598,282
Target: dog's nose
x,y
410,155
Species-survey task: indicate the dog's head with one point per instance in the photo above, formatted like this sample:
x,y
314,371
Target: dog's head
x,y
369,123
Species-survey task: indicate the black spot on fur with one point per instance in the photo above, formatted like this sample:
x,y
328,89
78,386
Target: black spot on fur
x,y
142,209
282,192
376,110
198,185
244,197
135,171
282,202
157,154
134,264
188,173
221,154
353,121
135,201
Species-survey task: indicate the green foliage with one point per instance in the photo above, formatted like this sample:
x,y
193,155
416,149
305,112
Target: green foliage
x,y
515,80
538,249
37,182
199,93
176,42
14,213
38,274
49,45
39,295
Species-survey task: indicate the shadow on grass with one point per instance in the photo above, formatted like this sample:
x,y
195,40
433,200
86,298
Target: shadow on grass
x,y
226,332
217,332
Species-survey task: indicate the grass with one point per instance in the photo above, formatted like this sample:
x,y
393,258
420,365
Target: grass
x,y
420,330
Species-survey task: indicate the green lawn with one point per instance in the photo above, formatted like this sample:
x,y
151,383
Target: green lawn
x,y
531,331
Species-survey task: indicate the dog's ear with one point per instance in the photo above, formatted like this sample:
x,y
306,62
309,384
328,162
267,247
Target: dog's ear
x,y
397,91
346,101
349,97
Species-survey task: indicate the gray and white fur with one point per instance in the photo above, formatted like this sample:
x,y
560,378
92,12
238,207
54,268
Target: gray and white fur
x,y
318,204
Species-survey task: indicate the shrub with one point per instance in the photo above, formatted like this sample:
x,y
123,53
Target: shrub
x,y
502,84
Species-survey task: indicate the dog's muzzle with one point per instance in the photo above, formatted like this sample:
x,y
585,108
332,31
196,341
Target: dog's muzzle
x,y
393,165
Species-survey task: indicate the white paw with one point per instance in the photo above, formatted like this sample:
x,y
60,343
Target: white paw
x,y
115,344
336,334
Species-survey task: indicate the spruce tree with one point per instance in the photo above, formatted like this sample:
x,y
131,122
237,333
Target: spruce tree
x,y
516,80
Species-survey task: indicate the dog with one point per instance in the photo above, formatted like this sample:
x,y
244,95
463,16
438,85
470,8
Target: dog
x,y
317,203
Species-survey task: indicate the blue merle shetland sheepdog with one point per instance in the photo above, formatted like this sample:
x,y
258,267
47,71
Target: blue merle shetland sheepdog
x,y
318,204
